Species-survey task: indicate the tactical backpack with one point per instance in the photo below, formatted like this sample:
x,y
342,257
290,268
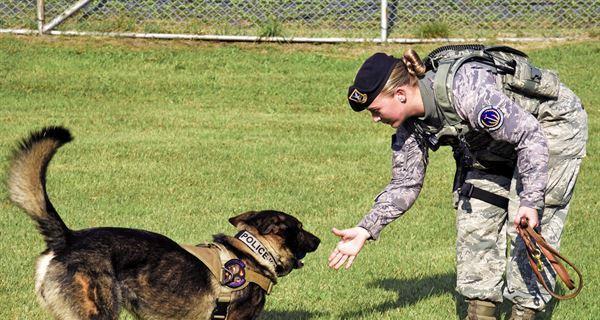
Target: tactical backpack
x,y
521,81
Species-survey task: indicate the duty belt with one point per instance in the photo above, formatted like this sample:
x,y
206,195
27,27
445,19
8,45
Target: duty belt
x,y
470,191
231,273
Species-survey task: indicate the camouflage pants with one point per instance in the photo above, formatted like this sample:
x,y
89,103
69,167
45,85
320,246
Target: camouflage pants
x,y
484,231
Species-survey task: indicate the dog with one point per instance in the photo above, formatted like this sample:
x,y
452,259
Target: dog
x,y
96,273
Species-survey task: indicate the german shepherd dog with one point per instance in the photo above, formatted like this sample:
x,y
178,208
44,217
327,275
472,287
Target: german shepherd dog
x,y
95,273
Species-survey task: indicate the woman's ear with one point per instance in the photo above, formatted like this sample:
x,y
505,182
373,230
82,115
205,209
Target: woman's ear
x,y
400,94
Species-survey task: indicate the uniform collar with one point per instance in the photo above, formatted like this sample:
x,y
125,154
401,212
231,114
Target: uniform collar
x,y
433,116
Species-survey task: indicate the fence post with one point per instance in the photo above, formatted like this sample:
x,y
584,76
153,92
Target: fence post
x,y
40,16
63,16
384,20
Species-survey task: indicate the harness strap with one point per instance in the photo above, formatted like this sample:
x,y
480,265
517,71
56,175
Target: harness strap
x,y
215,257
221,309
209,255
470,191
536,247
262,281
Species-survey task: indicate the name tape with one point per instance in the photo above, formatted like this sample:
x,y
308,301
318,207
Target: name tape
x,y
252,242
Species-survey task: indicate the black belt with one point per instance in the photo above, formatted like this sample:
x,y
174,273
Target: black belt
x,y
470,191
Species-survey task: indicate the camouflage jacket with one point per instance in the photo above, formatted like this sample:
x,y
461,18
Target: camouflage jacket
x,y
513,136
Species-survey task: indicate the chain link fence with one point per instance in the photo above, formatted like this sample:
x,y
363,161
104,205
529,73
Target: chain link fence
x,y
318,19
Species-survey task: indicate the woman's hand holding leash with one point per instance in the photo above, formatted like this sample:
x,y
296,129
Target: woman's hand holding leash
x,y
528,213
352,241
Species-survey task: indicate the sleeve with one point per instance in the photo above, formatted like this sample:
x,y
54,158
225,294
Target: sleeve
x,y
479,101
409,161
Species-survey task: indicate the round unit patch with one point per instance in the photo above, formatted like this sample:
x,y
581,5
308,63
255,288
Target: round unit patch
x,y
490,118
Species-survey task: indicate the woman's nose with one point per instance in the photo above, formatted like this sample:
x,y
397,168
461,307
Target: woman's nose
x,y
376,118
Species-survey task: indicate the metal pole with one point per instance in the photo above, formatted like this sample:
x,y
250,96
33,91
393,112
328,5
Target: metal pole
x,y
63,16
384,20
40,16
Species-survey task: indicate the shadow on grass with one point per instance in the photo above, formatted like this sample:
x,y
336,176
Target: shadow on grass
x,y
290,315
410,292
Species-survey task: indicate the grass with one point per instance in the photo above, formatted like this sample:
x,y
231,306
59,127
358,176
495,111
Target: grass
x,y
434,30
175,137
271,27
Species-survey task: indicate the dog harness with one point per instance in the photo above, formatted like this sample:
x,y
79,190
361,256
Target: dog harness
x,y
232,273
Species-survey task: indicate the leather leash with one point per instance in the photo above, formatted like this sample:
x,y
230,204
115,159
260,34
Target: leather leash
x,y
536,247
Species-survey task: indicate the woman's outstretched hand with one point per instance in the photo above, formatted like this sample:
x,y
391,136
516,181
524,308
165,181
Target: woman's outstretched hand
x,y
351,242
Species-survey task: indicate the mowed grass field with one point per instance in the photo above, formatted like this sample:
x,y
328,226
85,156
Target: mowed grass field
x,y
176,137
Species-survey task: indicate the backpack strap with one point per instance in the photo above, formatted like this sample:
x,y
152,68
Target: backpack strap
x,y
444,79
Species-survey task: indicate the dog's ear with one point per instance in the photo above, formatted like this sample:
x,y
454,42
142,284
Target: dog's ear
x,y
267,227
235,221
270,224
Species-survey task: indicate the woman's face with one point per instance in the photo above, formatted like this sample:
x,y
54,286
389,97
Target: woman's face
x,y
394,109
387,109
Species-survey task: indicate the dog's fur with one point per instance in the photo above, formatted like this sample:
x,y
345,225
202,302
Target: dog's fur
x,y
94,273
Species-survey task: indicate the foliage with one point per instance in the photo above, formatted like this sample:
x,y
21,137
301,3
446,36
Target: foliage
x,y
271,27
434,30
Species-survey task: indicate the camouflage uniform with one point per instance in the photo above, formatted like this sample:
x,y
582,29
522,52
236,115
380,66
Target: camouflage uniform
x,y
542,143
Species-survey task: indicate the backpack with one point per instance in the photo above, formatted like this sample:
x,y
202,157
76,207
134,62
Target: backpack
x,y
521,81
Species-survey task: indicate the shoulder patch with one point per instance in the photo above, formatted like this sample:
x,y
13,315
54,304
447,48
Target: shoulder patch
x,y
490,118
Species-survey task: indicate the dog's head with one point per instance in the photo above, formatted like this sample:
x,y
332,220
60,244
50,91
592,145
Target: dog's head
x,y
281,232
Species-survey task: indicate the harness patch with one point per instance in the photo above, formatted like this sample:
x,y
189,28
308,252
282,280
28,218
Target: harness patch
x,y
490,118
234,275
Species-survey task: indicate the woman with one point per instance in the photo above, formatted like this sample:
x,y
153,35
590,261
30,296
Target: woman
x,y
518,137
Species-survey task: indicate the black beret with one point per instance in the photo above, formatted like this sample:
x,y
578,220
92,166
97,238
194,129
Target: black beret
x,y
370,79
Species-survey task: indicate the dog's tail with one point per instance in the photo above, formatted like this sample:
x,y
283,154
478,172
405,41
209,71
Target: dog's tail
x,y
27,182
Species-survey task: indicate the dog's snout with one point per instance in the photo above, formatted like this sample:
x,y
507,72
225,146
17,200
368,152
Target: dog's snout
x,y
313,242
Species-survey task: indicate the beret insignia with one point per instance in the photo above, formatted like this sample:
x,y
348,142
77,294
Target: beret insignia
x,y
490,118
358,97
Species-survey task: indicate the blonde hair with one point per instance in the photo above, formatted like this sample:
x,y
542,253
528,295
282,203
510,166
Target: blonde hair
x,y
405,73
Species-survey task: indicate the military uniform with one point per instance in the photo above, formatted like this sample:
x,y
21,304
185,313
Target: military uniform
x,y
529,153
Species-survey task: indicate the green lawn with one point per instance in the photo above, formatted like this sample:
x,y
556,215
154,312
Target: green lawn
x,y
175,137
